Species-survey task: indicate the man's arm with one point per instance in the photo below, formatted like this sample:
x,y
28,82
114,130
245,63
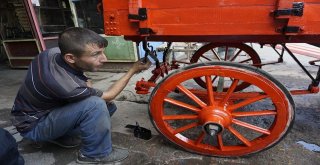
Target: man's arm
x,y
119,85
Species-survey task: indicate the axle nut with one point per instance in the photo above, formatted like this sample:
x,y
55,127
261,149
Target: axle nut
x,y
212,129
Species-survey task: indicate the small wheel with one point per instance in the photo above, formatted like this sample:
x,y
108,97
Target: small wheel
x,y
226,124
239,53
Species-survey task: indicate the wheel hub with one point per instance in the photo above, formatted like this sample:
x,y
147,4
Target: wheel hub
x,y
214,120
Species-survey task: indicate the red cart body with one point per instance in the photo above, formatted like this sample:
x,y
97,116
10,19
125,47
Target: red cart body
x,y
214,20
223,107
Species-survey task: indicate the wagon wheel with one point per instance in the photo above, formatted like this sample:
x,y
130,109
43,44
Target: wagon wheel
x,y
222,123
240,53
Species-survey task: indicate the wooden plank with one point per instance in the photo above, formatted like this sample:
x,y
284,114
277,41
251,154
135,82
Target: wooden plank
x,y
303,49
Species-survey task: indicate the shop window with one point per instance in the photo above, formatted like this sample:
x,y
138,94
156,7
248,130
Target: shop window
x,y
14,22
56,15
53,16
88,15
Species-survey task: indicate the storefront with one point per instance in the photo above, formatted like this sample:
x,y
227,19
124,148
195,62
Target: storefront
x,y
31,26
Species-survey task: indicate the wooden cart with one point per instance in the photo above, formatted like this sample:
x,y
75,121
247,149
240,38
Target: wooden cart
x,y
227,106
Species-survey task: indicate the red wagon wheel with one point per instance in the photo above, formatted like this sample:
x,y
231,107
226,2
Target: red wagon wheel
x,y
231,123
239,53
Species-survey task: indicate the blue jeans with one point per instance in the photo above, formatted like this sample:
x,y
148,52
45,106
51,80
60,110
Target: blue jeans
x,y
9,153
89,118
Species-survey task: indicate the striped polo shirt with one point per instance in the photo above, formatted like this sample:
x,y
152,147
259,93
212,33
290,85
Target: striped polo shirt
x,y
50,83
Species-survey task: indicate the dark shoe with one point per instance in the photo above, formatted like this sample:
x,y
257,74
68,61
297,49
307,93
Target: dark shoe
x,y
67,141
116,155
36,145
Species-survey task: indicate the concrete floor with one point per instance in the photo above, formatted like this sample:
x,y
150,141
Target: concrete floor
x,y
158,150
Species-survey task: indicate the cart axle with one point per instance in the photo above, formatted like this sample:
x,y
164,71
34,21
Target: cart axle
x,y
212,129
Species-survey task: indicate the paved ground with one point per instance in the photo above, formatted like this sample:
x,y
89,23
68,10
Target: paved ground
x,y
133,108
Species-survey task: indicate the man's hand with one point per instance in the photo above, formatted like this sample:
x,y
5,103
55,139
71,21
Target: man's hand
x,y
140,66
89,83
118,86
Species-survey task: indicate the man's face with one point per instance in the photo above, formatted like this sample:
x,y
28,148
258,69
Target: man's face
x,y
92,59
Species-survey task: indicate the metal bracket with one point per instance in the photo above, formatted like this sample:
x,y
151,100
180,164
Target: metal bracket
x,y
289,29
140,132
145,31
296,10
142,15
315,81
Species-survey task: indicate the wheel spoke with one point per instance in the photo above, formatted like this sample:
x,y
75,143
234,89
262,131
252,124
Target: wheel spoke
x,y
210,90
186,127
206,57
215,77
220,141
246,102
249,59
180,117
239,136
191,96
182,104
226,53
230,91
236,55
252,127
215,54
255,113
200,138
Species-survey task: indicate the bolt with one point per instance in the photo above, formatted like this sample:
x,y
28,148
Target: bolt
x,y
212,129
212,132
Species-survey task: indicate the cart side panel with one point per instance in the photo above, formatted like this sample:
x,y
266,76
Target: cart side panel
x,y
185,18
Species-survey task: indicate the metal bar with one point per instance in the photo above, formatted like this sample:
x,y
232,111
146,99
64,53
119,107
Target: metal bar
x,y
150,53
183,62
301,92
34,23
166,51
74,13
175,50
299,63
280,59
317,80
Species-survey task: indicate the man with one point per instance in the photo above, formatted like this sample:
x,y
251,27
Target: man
x,y
9,153
56,101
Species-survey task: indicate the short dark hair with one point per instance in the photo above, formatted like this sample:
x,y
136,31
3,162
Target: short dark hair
x,y
75,39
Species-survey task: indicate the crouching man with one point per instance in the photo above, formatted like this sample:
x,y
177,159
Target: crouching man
x,y
56,103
